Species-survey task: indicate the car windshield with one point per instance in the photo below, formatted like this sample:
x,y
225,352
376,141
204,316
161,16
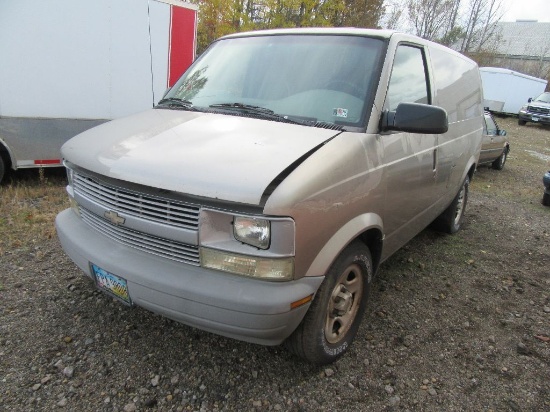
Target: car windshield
x,y
545,97
307,78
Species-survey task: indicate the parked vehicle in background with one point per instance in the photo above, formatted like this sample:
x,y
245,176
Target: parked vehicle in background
x,y
495,146
505,90
259,197
536,110
69,65
546,183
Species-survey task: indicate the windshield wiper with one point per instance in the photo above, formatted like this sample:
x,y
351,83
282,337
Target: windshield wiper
x,y
176,102
242,106
261,111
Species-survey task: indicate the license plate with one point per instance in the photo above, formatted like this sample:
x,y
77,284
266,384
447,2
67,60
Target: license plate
x,y
111,284
535,119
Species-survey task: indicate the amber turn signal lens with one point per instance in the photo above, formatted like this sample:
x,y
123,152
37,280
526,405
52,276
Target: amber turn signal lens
x,y
301,302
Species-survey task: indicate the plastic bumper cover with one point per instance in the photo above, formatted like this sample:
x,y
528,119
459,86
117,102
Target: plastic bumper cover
x,y
234,306
533,117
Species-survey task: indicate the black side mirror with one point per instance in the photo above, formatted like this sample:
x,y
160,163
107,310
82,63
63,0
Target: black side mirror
x,y
416,118
529,100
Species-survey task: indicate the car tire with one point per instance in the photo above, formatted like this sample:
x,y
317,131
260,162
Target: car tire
x,y
2,168
522,122
332,321
498,164
546,199
451,219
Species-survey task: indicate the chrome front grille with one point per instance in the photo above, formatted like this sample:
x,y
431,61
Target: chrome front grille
x,y
166,248
147,207
159,225
538,110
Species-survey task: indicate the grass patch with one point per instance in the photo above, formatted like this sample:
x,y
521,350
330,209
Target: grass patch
x,y
28,208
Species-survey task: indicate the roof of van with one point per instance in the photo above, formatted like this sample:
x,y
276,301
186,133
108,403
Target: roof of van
x,y
319,30
375,33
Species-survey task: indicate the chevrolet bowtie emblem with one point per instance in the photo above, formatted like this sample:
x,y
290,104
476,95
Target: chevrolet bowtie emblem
x,y
114,218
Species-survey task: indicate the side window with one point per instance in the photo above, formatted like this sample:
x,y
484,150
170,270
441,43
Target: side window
x,y
491,126
408,81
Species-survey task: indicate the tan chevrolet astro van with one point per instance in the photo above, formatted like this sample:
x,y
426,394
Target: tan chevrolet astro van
x,y
260,195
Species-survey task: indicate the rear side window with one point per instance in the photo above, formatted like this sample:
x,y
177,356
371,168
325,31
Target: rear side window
x,y
408,82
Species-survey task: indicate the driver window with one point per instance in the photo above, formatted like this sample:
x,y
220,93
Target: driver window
x,y
408,81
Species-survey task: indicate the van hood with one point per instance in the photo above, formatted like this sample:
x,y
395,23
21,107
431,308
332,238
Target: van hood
x,y
217,156
539,104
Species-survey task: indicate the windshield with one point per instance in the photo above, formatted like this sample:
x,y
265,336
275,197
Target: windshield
x,y
545,97
313,78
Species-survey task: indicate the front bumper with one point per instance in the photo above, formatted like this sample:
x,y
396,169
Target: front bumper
x,y
535,118
234,306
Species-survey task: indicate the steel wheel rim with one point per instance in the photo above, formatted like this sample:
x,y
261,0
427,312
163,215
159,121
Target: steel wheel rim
x,y
344,303
460,205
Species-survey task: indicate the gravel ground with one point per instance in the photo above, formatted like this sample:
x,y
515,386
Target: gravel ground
x,y
454,323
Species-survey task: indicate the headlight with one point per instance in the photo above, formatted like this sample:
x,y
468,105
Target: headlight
x,y
252,231
70,190
523,109
250,245
70,176
253,266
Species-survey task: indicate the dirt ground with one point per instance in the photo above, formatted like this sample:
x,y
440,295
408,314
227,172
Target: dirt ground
x,y
455,323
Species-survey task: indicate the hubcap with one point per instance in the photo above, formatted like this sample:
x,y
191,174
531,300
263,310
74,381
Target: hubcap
x,y
344,303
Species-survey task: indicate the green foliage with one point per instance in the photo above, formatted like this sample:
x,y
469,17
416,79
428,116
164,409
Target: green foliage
x,y
452,36
220,17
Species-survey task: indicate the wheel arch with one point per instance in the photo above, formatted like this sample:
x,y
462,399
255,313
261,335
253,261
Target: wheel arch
x,y
366,228
6,154
470,172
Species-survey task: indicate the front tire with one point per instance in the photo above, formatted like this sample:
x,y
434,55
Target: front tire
x,y
451,219
498,164
332,321
522,122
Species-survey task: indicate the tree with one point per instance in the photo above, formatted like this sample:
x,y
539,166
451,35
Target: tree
x,y
429,18
481,23
452,30
393,14
220,17
215,19
363,13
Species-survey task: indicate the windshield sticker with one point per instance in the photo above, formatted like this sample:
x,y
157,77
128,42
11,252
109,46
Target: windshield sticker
x,y
339,112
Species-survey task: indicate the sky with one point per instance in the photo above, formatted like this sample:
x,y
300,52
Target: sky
x,y
526,10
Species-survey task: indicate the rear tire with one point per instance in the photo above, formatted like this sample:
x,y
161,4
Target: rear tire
x,y
332,321
2,168
546,199
451,219
522,122
498,164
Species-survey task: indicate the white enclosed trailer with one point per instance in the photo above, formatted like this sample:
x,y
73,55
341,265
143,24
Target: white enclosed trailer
x,y
505,91
68,65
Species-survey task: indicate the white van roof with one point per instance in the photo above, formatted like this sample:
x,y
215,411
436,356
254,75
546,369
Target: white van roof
x,y
318,30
